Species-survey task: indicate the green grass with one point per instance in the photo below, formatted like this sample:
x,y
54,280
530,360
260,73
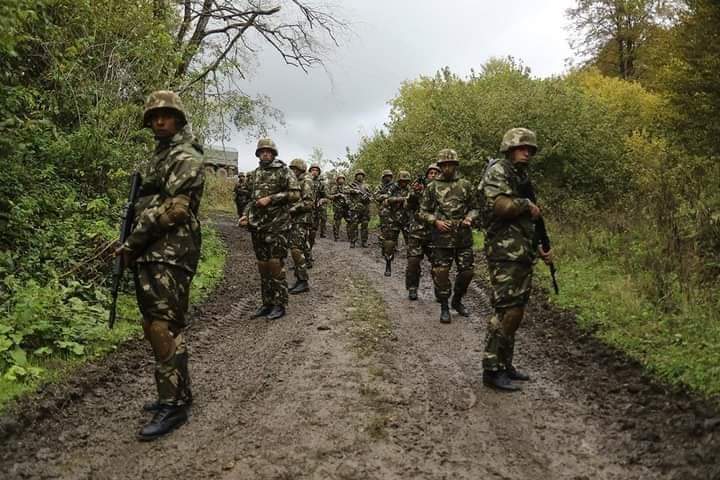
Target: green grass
x,y
367,314
56,367
680,346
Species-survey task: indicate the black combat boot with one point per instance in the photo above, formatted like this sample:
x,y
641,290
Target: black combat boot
x,y
352,244
299,287
515,374
458,306
412,294
388,267
166,419
364,244
444,312
499,380
278,311
262,311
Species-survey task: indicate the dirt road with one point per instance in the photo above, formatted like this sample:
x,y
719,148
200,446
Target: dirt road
x,y
359,383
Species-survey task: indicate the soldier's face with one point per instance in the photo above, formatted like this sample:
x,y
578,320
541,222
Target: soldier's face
x,y
431,174
359,178
403,183
386,179
314,172
521,154
296,171
448,169
340,181
164,124
266,155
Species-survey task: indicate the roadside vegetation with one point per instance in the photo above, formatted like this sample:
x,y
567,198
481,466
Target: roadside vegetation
x,y
628,171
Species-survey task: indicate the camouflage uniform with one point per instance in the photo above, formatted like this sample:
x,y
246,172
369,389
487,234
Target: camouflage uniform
x,y
510,249
241,194
166,246
451,200
358,197
419,238
270,226
381,193
319,210
301,213
396,218
338,195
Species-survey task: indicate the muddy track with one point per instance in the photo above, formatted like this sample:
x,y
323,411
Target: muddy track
x,y
300,398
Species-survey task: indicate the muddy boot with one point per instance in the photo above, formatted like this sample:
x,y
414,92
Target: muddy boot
x,y
444,312
278,311
364,244
352,244
458,306
499,380
166,419
299,287
515,374
262,311
388,267
412,294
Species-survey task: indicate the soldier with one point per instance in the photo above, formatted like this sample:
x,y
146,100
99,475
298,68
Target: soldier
x,y
449,208
386,183
359,210
241,194
319,196
509,220
396,219
301,213
273,189
419,235
164,249
339,200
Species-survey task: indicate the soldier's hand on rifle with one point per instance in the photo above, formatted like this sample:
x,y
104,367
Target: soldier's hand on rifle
x,y
443,226
535,212
243,221
547,256
418,187
263,202
126,256
467,222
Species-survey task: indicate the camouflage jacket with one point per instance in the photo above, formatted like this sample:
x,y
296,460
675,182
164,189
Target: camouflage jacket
x,y
174,170
319,191
302,210
416,228
275,180
451,200
358,197
338,195
506,239
381,194
398,217
242,196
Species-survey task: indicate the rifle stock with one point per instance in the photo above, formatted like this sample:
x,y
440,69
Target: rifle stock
x,y
128,216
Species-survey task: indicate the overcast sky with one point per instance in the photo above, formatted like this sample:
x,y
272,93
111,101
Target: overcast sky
x,y
393,41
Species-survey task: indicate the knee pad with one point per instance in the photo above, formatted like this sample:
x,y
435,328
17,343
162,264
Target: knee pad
x,y
511,319
297,256
441,276
388,248
161,339
277,269
264,269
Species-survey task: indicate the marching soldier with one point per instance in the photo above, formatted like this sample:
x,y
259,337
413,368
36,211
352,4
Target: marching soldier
x,y
359,210
339,200
386,183
509,220
273,189
419,235
164,249
319,211
301,214
396,220
448,209
241,194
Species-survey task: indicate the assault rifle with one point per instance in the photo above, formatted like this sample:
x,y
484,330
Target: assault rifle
x,y
128,216
541,235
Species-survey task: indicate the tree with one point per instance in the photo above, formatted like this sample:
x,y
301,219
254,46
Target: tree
x,y
612,33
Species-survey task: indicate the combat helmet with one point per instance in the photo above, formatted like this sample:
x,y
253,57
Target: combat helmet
x,y
299,164
315,165
447,155
432,166
266,143
518,137
163,99
339,175
359,171
386,173
404,175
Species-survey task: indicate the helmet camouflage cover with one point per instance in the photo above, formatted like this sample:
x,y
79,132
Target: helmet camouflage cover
x,y
432,166
315,165
160,100
447,155
360,171
518,137
387,173
266,143
299,164
404,175
339,175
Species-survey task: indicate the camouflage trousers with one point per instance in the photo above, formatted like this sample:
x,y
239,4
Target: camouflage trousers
x,y
511,284
299,246
163,294
390,234
442,259
320,217
358,220
417,248
338,216
270,251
